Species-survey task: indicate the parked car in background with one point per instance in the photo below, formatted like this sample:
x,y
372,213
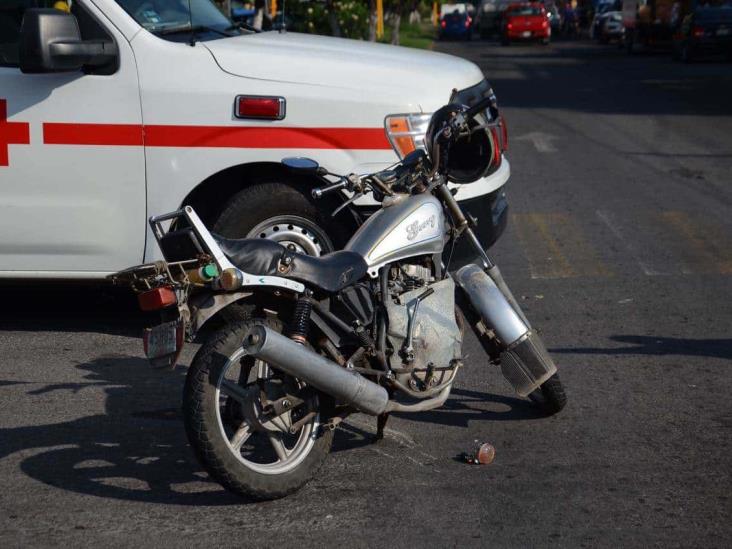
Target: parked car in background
x,y
612,28
489,17
705,31
603,11
456,25
525,21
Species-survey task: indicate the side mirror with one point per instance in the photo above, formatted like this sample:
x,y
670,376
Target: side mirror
x,y
304,165
50,41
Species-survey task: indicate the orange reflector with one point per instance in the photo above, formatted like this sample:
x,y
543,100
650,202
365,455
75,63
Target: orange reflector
x,y
156,299
404,143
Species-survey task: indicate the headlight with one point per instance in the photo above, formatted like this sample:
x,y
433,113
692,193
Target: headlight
x,y
406,131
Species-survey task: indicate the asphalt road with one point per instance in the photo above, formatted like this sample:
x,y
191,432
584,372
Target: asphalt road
x,y
620,249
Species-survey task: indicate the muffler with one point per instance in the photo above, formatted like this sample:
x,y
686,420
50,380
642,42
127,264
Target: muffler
x,y
323,374
525,362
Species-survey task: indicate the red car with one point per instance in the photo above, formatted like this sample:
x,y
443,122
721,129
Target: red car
x,y
526,21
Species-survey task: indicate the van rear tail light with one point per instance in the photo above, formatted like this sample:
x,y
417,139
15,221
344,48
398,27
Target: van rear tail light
x,y
259,107
159,298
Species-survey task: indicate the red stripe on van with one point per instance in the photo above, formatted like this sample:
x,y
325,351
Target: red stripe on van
x,y
251,137
92,134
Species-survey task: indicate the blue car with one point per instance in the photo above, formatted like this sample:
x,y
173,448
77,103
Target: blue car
x,y
456,25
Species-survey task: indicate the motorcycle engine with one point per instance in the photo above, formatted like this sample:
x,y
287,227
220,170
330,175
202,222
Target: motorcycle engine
x,y
436,336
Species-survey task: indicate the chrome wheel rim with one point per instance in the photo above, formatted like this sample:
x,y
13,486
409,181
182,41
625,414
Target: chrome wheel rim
x,y
295,233
288,450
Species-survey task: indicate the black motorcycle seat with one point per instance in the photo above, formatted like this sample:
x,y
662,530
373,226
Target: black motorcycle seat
x,y
331,272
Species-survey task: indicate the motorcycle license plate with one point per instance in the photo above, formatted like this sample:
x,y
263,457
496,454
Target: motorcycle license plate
x,y
526,34
161,340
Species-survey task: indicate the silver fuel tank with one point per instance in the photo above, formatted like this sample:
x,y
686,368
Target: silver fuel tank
x,y
406,226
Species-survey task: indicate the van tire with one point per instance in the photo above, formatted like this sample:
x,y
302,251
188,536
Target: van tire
x,y
255,204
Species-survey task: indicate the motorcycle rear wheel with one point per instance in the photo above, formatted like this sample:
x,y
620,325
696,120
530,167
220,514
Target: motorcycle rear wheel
x,y
550,396
233,439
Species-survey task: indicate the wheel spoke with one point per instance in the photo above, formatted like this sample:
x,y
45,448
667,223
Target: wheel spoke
x,y
240,437
231,389
278,446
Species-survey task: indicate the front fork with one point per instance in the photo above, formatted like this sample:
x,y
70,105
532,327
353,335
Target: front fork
x,y
524,360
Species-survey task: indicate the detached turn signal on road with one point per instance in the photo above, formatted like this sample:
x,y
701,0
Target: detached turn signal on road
x,y
157,299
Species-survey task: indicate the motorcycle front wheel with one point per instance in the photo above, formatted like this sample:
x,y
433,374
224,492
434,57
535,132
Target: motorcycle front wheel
x,y
229,405
550,396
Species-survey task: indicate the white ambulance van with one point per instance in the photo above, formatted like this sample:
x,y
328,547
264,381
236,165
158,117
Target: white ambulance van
x,y
115,110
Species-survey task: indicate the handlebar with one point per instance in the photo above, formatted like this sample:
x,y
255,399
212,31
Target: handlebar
x,y
480,106
320,191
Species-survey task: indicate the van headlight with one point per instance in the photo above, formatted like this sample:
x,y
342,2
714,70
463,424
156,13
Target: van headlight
x,y
406,131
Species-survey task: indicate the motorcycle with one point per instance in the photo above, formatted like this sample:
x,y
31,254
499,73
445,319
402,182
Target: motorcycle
x,y
375,328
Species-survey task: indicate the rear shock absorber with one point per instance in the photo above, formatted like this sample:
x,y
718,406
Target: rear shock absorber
x,y
300,323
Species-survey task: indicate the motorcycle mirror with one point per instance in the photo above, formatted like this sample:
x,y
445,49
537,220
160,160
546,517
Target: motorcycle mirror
x,y
302,164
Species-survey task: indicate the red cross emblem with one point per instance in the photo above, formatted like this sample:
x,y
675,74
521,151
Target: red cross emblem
x,y
11,133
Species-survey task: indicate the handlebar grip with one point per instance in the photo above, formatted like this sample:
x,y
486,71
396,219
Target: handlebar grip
x,y
318,192
480,106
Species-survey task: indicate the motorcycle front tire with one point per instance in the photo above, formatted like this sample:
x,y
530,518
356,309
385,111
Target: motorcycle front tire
x,y
550,396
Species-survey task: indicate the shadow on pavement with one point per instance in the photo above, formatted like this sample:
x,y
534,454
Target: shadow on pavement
x,y
465,406
659,346
136,450
70,307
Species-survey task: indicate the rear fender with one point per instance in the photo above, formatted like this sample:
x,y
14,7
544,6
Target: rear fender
x,y
205,305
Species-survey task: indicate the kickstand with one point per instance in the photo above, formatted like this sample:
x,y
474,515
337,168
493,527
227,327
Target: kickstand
x,y
380,424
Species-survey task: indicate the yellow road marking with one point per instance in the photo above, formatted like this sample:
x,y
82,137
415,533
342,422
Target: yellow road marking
x,y
555,248
708,247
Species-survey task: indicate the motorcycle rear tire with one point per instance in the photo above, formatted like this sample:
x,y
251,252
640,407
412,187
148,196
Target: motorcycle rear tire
x,y
201,416
550,396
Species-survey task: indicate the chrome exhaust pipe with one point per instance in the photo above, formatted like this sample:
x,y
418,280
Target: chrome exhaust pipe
x,y
323,374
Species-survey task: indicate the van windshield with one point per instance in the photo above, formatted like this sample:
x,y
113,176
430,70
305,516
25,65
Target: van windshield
x,y
172,19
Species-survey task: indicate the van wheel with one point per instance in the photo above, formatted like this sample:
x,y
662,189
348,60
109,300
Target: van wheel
x,y
278,212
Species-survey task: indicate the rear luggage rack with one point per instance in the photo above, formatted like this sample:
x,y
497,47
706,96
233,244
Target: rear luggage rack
x,y
187,238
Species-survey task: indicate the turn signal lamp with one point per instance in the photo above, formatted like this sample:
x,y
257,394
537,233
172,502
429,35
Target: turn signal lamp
x,y
230,279
259,107
406,132
159,298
